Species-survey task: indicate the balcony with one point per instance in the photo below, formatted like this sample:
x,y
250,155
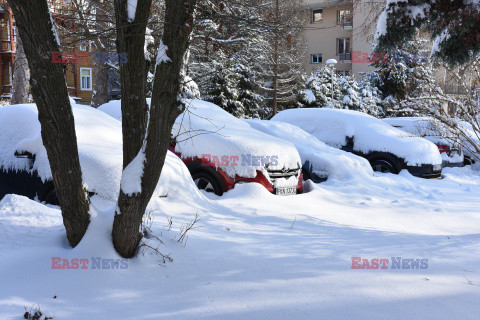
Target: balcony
x,y
454,89
346,22
6,46
345,56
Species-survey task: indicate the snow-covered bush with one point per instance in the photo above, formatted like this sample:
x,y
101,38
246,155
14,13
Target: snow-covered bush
x,y
325,89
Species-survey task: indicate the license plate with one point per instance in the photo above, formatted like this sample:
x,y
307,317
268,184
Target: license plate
x,y
286,191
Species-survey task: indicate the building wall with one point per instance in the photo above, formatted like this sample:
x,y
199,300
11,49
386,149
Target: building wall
x,y
73,77
364,28
322,36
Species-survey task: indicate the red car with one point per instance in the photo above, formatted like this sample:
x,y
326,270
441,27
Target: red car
x,y
211,178
221,151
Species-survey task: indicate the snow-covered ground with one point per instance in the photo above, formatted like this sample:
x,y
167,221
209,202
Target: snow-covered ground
x,y
260,256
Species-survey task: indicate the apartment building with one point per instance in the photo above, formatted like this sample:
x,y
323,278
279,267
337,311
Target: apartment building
x,y
79,74
337,29
7,49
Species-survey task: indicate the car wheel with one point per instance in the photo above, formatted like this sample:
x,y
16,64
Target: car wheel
x,y
205,181
467,161
384,166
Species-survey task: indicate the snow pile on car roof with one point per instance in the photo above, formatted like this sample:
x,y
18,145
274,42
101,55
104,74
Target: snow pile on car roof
x,y
206,129
332,126
325,161
113,109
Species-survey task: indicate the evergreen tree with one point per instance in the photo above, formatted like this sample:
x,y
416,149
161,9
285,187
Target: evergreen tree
x,y
248,92
220,87
404,77
346,93
454,26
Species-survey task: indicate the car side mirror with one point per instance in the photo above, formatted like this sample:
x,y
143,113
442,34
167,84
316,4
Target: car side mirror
x,y
350,142
24,155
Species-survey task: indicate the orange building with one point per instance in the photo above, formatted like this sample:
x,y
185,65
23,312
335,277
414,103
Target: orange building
x,y
7,49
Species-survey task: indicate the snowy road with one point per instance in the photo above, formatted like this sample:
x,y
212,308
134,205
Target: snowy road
x,y
259,256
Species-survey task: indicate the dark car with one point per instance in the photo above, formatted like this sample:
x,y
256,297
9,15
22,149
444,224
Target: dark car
x,y
386,148
427,128
24,165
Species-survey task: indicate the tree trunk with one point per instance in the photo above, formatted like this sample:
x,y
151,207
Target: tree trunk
x,y
100,84
50,93
276,60
275,80
100,69
131,40
21,75
164,110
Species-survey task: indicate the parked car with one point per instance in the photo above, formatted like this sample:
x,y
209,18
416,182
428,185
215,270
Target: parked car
x,y
469,150
320,162
24,165
448,145
222,151
25,169
388,149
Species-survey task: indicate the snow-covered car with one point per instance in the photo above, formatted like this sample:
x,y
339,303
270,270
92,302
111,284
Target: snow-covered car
x,y
99,139
469,144
388,149
450,150
320,161
24,165
221,151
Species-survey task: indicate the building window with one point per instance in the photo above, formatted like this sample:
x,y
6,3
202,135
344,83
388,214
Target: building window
x,y
343,49
15,32
317,58
345,18
317,15
344,73
10,73
86,79
83,47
